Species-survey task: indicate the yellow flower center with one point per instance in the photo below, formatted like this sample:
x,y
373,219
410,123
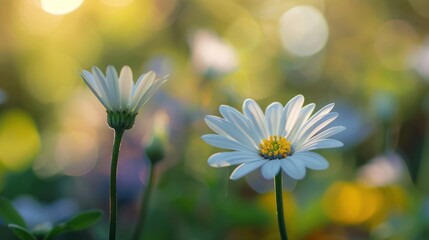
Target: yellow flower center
x,y
274,147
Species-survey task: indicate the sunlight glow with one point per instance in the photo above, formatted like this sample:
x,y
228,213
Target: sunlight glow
x,y
60,7
303,30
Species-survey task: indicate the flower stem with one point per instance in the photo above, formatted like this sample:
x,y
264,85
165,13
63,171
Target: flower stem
x,y
279,202
144,204
113,169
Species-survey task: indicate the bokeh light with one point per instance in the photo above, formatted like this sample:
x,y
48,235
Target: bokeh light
x,y
116,3
60,7
244,34
53,83
351,203
19,140
76,153
303,30
34,19
395,43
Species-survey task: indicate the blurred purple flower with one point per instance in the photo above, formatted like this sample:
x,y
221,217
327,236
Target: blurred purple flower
x,y
358,127
36,213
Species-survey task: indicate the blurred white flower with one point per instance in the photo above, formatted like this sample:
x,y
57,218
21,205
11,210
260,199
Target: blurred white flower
x,y
282,138
211,54
420,59
382,170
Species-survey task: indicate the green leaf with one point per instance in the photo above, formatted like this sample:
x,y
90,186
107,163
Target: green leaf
x,y
57,230
83,220
9,214
78,222
21,232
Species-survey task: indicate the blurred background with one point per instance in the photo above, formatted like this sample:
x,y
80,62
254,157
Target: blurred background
x,y
369,57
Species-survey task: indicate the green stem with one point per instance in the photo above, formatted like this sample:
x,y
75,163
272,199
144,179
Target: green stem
x,y
144,204
113,170
279,202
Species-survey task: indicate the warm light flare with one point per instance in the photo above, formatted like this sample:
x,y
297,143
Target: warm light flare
x,y
60,7
303,30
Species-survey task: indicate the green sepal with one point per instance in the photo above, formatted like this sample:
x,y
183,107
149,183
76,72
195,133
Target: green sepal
x,y
155,151
121,120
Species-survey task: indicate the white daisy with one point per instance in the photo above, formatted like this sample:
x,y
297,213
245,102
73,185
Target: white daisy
x,y
120,94
280,139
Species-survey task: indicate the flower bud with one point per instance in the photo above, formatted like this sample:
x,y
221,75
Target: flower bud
x,y
156,150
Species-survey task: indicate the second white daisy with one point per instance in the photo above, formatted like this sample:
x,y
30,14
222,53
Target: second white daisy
x,y
281,139
120,93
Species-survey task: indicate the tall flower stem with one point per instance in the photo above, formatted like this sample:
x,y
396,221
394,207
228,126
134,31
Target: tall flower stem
x,y
119,132
144,204
279,202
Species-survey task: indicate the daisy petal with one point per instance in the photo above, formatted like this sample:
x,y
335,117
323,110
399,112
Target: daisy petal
x,y
328,132
323,135
101,80
149,93
225,159
312,160
321,144
270,169
316,117
293,167
314,128
125,86
113,84
291,112
303,116
225,128
273,114
99,93
243,124
254,113
140,88
223,142
119,94
245,168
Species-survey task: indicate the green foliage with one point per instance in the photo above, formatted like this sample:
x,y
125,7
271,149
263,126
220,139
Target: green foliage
x,y
9,214
17,224
78,222
21,232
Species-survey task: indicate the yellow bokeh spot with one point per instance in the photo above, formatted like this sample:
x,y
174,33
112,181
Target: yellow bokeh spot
x,y
60,7
19,140
31,18
351,203
52,77
244,34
